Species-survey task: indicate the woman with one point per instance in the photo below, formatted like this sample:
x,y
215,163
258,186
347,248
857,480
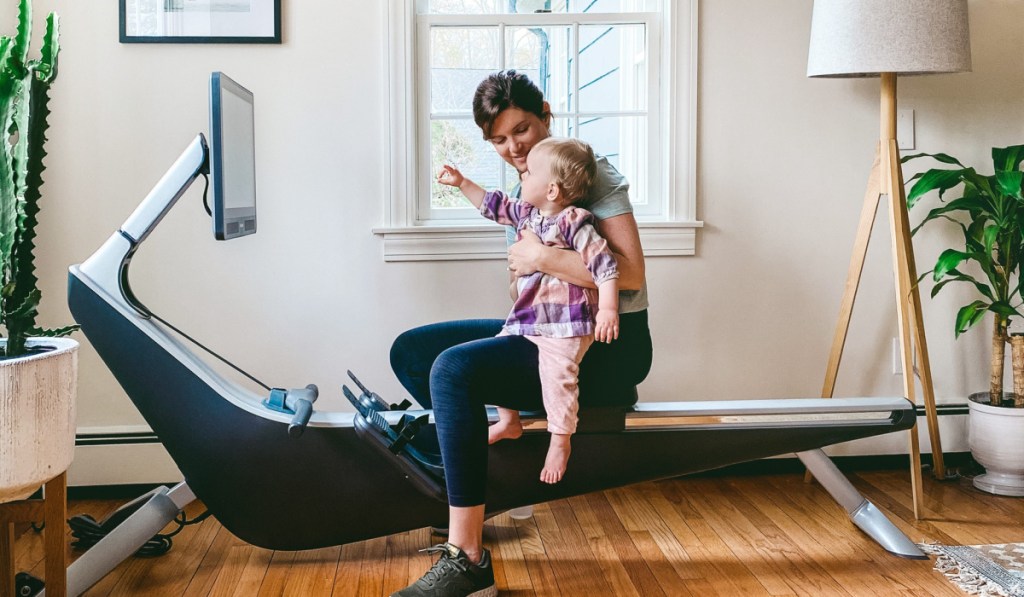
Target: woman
x,y
458,367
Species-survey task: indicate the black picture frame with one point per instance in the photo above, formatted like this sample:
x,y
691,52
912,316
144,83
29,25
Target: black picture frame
x,y
127,37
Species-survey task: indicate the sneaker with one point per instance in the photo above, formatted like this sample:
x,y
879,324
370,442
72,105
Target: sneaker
x,y
453,575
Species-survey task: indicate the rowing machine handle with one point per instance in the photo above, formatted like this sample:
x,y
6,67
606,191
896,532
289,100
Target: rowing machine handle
x,y
303,406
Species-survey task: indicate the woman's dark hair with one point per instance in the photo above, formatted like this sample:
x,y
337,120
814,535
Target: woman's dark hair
x,y
504,90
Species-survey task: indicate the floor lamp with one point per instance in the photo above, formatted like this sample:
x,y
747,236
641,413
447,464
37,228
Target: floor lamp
x,y
886,38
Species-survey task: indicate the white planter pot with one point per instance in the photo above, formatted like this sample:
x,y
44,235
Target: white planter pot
x,y
997,443
37,416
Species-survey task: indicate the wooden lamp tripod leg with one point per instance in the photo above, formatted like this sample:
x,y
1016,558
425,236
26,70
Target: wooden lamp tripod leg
x,y
917,326
860,250
904,312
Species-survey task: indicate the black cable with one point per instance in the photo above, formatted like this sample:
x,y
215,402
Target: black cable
x,y
206,202
87,532
222,359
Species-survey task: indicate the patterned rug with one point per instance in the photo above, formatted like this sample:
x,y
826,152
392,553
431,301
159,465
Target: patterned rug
x,y
985,570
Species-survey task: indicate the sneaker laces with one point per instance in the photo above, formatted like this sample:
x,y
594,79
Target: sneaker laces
x,y
445,565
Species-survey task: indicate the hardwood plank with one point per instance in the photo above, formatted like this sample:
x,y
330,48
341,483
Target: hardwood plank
x,y
420,561
570,554
614,528
312,572
750,546
350,564
669,582
371,579
615,574
715,560
201,582
243,572
537,563
396,566
511,574
277,574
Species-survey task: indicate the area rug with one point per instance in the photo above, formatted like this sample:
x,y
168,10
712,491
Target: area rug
x,y
984,570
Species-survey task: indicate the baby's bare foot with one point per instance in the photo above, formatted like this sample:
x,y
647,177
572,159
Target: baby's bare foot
x,y
557,458
504,430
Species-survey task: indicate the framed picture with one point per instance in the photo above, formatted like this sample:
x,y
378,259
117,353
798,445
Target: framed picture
x,y
201,21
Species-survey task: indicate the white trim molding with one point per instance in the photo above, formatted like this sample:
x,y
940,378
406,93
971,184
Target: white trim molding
x,y
472,242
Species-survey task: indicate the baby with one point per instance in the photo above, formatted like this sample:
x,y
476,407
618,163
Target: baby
x,y
554,314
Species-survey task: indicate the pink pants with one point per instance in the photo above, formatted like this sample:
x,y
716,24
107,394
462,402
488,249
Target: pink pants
x,y
559,366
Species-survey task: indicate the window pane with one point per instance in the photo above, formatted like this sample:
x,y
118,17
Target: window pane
x,y
460,57
623,140
459,143
613,68
610,5
542,53
463,7
476,7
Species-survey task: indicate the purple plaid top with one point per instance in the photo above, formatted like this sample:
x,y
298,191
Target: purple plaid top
x,y
548,306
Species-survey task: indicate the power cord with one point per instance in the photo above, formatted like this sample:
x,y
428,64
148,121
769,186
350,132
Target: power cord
x,y
206,201
88,532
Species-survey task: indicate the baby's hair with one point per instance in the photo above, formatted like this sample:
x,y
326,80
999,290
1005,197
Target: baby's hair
x,y
572,164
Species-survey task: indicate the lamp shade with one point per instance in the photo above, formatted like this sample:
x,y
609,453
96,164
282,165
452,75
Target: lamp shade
x,y
863,38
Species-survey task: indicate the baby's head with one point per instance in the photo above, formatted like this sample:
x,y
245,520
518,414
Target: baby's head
x,y
568,164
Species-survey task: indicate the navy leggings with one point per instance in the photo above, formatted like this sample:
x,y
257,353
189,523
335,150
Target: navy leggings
x,y
458,367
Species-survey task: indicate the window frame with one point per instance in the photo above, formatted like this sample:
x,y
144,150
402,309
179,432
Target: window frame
x,y
406,95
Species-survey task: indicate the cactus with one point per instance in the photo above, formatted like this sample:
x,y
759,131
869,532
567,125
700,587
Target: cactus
x,y
24,107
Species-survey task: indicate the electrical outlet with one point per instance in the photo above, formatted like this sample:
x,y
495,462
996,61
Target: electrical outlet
x,y
897,360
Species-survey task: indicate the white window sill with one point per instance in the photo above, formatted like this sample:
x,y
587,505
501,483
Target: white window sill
x,y
459,243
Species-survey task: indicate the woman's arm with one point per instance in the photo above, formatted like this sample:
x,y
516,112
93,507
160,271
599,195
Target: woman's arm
x,y
530,255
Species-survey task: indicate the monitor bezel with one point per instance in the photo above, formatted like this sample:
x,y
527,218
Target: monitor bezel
x,y
223,218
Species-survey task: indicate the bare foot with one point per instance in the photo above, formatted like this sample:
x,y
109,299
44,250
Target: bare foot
x,y
504,430
557,458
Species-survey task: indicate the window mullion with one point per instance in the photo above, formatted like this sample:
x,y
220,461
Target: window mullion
x,y
502,64
575,105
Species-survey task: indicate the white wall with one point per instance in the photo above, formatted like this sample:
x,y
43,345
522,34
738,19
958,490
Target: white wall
x,y
782,166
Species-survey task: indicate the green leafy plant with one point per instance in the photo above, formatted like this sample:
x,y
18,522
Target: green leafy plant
x,y
24,107
990,214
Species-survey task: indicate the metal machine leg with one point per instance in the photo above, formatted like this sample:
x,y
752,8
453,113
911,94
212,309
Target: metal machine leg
x,y
863,513
128,537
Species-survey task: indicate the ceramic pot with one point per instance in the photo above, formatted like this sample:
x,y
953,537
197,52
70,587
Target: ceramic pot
x,y
37,416
997,443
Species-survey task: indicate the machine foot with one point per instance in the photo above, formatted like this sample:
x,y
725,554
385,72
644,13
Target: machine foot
x,y
871,520
862,512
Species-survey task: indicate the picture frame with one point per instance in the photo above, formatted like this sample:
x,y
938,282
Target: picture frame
x,y
200,21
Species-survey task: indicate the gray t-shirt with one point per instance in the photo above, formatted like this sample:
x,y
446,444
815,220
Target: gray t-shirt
x,y
608,197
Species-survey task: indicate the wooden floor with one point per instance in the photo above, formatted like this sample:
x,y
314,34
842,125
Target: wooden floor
x,y
755,535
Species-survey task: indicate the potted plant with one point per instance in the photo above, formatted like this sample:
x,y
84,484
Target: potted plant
x,y
990,214
38,368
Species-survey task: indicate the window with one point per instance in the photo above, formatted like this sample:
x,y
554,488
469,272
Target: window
x,y
618,74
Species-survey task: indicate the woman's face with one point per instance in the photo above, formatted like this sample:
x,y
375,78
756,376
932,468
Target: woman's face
x,y
515,132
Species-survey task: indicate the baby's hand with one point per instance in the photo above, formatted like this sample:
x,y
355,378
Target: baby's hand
x,y
450,176
607,328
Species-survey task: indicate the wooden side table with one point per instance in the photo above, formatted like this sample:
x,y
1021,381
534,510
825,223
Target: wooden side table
x,y
52,510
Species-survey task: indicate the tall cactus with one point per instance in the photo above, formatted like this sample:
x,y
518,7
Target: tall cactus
x,y
24,107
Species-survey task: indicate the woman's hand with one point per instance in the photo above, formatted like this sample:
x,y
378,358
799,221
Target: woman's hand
x,y
450,176
607,327
526,255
